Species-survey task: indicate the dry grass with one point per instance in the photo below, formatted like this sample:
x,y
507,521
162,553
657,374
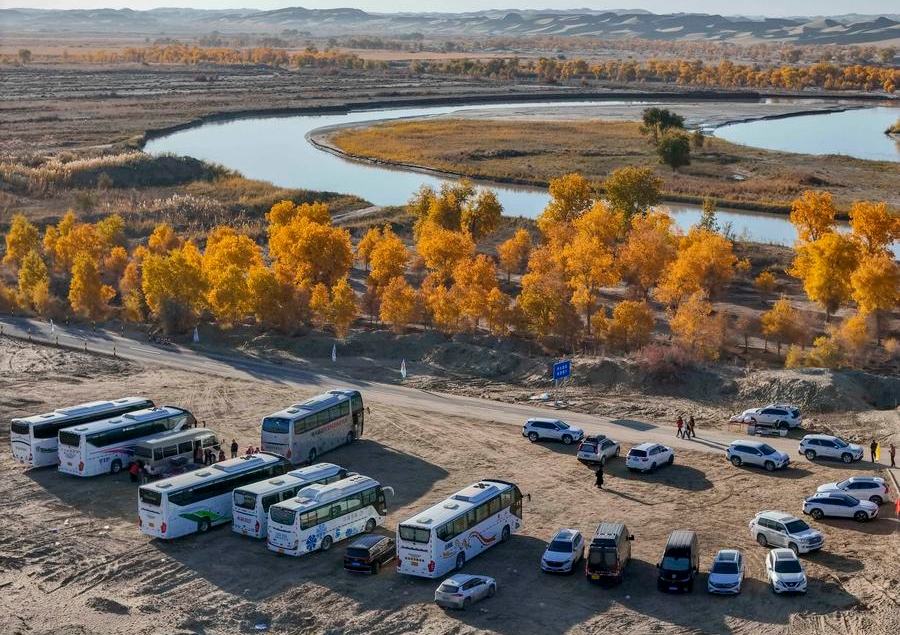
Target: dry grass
x,y
535,152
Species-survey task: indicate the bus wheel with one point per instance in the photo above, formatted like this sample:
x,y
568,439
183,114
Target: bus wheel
x,y
460,560
312,456
203,525
370,525
116,467
326,543
350,438
504,535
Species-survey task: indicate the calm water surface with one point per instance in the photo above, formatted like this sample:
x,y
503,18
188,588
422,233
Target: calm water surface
x,y
275,149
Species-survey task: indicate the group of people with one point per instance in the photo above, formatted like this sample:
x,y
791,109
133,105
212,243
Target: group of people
x,y
685,429
138,471
876,454
208,456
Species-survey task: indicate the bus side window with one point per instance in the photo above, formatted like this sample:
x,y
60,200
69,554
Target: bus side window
x,y
345,408
209,441
184,447
157,454
494,506
506,498
268,501
459,525
170,450
481,512
334,413
444,532
288,494
354,502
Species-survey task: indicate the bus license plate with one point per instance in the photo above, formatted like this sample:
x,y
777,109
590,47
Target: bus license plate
x,y
673,588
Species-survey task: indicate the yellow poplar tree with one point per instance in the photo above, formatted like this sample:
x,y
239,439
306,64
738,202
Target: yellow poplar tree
x,y
704,262
697,328
825,266
52,234
272,301
309,252
498,312
111,232
473,281
88,295
632,190
630,327
441,304
648,251
286,212
481,215
343,307
320,306
545,297
813,215
875,286
875,225
398,304
570,196
388,258
163,239
781,323
367,244
513,253
443,249
227,260
22,238
34,279
176,277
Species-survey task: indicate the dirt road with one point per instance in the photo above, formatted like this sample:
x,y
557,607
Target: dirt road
x,y
73,560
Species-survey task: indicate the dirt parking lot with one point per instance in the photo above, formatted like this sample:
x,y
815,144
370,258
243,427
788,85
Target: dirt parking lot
x,y
73,561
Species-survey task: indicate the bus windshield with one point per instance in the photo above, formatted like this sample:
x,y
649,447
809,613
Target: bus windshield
x,y
244,500
414,534
19,427
281,515
150,497
69,438
277,425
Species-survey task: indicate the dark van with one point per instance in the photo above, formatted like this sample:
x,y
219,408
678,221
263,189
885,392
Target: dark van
x,y
680,562
608,553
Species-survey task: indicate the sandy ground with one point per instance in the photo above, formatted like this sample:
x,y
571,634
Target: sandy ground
x,y
73,561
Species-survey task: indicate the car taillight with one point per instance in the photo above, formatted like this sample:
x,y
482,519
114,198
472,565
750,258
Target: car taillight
x,y
289,453
81,466
257,527
162,528
431,566
29,457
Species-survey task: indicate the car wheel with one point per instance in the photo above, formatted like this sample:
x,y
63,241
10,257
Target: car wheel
x,y
736,461
761,539
690,587
116,467
504,535
326,544
810,454
847,457
617,451
770,467
350,438
793,547
671,460
817,514
860,517
602,460
652,468
203,525
876,499
567,439
491,591
376,568
533,436
460,561
467,602
370,526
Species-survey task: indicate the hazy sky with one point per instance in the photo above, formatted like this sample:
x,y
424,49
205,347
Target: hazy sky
x,y
761,7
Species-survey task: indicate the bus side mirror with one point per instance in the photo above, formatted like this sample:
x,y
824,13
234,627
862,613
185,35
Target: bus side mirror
x,y
631,537
528,496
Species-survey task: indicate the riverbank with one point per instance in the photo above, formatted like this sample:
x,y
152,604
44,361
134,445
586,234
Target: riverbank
x,y
531,145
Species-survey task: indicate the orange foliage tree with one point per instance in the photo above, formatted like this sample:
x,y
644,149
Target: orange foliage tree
x,y
513,253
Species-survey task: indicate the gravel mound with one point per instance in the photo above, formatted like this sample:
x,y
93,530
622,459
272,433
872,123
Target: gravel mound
x,y
820,390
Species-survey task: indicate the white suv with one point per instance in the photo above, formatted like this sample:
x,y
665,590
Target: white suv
x,y
873,488
780,529
597,449
825,446
785,572
756,453
564,552
538,428
778,414
646,457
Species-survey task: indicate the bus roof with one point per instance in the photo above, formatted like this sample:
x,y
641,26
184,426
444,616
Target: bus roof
x,y
315,404
213,472
88,408
167,438
294,477
138,416
317,494
459,503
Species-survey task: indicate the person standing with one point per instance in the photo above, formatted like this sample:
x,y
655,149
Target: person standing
x,y
679,423
133,472
234,449
873,448
690,427
892,451
599,477
222,455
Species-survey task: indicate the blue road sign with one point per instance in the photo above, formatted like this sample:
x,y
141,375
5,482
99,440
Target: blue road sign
x,y
561,370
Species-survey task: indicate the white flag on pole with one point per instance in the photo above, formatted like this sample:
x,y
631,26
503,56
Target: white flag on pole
x,y
196,335
403,368
52,327
334,352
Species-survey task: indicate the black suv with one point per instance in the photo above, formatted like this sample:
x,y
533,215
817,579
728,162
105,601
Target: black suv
x,y
680,563
369,554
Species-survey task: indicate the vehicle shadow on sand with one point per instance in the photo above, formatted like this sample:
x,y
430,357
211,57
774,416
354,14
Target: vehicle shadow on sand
x,y
676,476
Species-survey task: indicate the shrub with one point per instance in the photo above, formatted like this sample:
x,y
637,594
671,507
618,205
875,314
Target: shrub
x,y
765,281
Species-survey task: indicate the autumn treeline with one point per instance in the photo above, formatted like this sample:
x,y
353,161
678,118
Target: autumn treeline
x,y
722,74
585,250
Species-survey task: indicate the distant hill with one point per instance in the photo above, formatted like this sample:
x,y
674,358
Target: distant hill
x,y
848,29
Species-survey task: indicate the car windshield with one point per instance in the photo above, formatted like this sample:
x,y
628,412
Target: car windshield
x,y
448,587
724,567
843,484
562,546
788,566
767,449
640,453
589,447
796,526
840,442
672,563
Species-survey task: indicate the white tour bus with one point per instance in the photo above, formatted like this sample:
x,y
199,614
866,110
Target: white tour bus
x,y
158,453
108,445
443,537
307,430
34,439
321,515
250,510
194,502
